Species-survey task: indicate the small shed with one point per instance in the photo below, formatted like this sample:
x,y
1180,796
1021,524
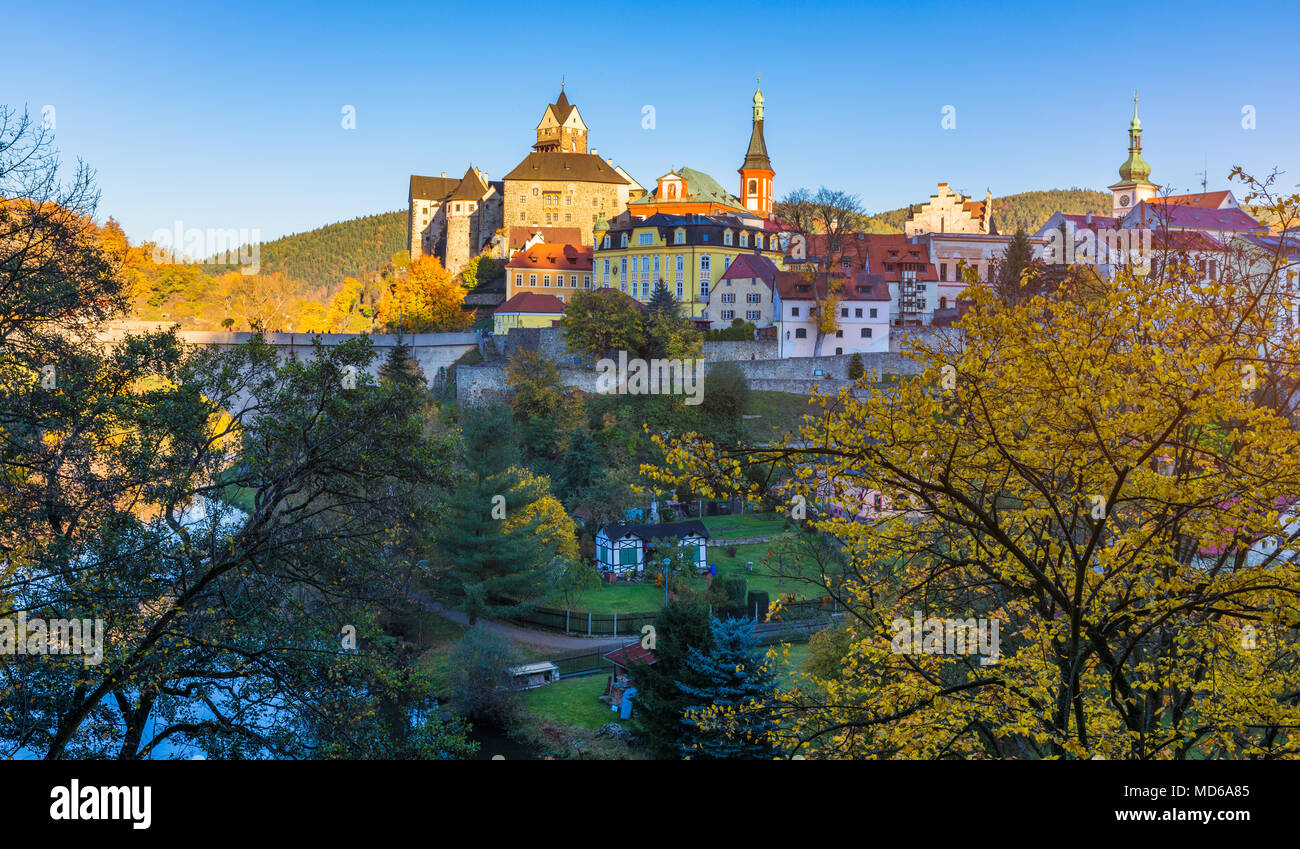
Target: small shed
x,y
623,660
532,675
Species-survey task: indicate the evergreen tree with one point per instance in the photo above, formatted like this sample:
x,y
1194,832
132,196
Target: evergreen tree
x,y
662,302
1018,258
400,367
733,684
488,566
682,625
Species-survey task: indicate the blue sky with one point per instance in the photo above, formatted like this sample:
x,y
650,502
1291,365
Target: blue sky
x,y
229,115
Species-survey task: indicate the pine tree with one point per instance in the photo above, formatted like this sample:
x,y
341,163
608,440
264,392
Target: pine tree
x,y
1018,257
400,367
660,703
487,566
662,302
734,681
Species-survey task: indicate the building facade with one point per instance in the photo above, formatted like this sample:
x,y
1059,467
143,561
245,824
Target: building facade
x,y
744,292
451,219
861,317
689,253
950,212
541,268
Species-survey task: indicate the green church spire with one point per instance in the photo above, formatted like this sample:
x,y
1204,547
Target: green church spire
x,y
1135,169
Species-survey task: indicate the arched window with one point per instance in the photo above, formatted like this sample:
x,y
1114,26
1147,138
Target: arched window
x,y
753,187
672,190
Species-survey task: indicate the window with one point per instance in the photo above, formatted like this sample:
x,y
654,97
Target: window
x,y
866,333
943,271
672,190
727,315
679,288
873,313
679,269
645,276
623,241
573,281
744,240
568,201
519,279
568,216
726,263
532,280
586,281
726,238
800,333
627,556
679,237
753,187
839,351
622,268
753,298
794,312
546,280
604,243
839,334
604,272
857,313
521,217
706,273
535,191
728,298
844,312
645,238
752,315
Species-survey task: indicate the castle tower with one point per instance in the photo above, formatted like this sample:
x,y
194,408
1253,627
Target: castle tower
x,y
561,129
756,172
1134,185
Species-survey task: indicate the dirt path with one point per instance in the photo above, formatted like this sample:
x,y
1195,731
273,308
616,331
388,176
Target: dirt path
x,y
539,639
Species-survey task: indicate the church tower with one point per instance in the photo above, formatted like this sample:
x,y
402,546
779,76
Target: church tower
x,y
1134,185
756,172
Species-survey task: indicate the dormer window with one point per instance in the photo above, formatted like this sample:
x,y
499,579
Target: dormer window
x,y
744,240
623,241
672,190
605,242
679,237
726,238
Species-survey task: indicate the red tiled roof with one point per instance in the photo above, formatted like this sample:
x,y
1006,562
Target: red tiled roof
x,y
630,655
1185,240
751,265
532,302
1204,200
547,255
1195,217
550,235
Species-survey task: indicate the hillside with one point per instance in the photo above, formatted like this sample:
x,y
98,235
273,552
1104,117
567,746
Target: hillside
x,y
323,257
1029,210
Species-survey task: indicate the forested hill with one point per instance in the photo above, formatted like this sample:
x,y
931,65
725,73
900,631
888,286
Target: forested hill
x,y
1029,210
328,254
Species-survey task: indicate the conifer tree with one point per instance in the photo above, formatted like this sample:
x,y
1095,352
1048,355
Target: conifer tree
x,y
728,690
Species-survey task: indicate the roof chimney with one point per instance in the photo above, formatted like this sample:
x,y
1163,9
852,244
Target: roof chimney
x,y
444,174
595,152
610,160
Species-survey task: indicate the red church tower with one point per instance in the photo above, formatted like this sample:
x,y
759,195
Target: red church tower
x,y
756,173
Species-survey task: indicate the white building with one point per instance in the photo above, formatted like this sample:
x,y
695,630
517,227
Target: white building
x,y
861,323
624,548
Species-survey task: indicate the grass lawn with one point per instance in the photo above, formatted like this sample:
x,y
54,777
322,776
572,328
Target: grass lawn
x,y
787,668
747,525
572,701
645,597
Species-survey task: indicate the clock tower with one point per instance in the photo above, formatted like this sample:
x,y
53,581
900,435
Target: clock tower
x,y
1134,185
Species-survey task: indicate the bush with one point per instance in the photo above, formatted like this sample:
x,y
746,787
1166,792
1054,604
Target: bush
x,y
734,587
731,551
760,598
855,367
482,686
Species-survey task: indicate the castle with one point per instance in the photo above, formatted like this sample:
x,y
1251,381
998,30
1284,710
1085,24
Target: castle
x,y
559,184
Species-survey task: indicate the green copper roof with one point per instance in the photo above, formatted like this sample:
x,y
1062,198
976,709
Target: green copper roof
x,y
700,188
1135,169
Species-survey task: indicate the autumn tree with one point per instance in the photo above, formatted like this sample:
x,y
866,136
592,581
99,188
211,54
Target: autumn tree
x,y
601,322
427,299
1090,472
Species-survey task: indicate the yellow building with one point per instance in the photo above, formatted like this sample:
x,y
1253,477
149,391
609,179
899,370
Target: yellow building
x,y
527,309
689,253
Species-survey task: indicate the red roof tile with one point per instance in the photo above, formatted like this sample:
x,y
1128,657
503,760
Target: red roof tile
x,y
545,255
632,654
532,302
